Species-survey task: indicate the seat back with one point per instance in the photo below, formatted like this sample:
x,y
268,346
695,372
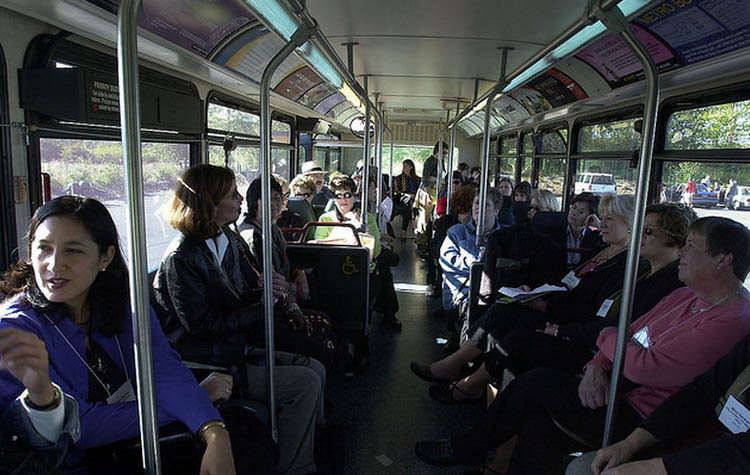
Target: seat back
x,y
552,223
339,282
302,207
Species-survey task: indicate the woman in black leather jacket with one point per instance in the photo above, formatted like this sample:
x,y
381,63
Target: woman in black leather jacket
x,y
210,304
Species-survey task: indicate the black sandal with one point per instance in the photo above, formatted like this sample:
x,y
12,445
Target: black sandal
x,y
444,393
424,373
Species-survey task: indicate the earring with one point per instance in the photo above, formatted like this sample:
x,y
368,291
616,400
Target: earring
x,y
103,269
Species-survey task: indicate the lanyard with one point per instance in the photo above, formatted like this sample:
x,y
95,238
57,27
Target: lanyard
x,y
93,373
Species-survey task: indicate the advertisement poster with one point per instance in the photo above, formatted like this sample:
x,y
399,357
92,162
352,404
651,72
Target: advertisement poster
x,y
298,82
557,88
509,109
313,97
329,103
617,64
700,29
249,53
531,99
196,25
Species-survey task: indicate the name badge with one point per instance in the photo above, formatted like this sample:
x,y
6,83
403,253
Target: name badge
x,y
735,416
124,393
641,338
604,309
571,281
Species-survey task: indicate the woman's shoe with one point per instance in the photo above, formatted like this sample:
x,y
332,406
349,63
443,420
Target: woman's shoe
x,y
424,373
444,393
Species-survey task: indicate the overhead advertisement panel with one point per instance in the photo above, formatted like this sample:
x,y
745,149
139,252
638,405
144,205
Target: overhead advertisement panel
x,y
329,103
298,82
557,88
196,25
509,109
531,100
314,96
700,29
617,64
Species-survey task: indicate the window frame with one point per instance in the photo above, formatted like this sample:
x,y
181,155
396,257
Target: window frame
x,y
7,201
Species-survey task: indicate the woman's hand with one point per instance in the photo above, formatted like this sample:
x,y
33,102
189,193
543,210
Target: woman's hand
x,y
550,329
592,220
299,320
24,355
280,286
217,459
594,388
303,288
218,386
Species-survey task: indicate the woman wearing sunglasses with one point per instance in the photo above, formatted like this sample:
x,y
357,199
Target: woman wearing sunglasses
x,y
303,186
347,211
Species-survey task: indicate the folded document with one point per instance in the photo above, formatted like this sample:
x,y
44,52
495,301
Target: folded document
x,y
523,295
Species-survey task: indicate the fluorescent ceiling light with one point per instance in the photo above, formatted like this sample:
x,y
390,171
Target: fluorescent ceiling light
x,y
276,16
321,64
628,7
578,40
528,73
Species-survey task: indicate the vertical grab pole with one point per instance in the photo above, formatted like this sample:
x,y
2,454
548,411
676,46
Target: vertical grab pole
x,y
616,22
449,198
379,154
130,129
298,39
366,158
485,165
391,171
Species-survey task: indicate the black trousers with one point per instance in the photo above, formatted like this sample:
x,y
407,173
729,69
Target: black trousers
x,y
542,408
501,319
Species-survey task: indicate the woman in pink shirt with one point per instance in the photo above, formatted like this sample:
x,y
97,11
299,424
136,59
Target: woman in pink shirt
x,y
554,414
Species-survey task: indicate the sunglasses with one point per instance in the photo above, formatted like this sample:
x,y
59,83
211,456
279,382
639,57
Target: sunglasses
x,y
303,195
343,196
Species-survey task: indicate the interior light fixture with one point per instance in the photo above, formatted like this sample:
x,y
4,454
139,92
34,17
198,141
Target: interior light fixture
x,y
628,7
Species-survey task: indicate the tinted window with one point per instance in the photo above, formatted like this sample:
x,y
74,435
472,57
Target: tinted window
x,y
609,137
721,126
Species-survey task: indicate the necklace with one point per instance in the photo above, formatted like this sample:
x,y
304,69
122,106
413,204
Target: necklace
x,y
695,308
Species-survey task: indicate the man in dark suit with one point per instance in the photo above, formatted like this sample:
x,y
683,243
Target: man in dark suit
x,y
581,218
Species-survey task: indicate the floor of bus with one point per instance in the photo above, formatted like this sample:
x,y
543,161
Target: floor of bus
x,y
377,415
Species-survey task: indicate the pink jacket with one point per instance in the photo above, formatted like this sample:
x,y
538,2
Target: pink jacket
x,y
684,344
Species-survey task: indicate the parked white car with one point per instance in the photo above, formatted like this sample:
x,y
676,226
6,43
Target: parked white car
x,y
742,198
597,183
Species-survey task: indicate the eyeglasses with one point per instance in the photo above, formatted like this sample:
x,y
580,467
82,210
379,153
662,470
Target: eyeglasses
x,y
302,195
285,195
343,196
648,231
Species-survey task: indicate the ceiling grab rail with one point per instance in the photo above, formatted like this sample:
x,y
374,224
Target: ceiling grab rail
x,y
484,174
449,197
299,38
616,22
130,130
365,183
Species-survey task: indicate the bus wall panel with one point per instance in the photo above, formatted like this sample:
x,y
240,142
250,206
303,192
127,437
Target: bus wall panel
x,y
16,32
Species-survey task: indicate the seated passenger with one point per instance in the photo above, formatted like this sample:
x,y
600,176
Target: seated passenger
x,y
287,218
460,250
208,297
522,192
505,213
554,413
291,338
581,217
542,200
715,394
36,428
303,186
594,282
568,346
344,188
322,192
73,295
461,204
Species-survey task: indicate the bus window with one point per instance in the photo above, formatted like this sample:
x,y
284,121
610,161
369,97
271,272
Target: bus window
x,y
552,163
281,132
617,136
716,127
604,176
7,219
232,120
94,168
507,161
527,156
280,162
334,160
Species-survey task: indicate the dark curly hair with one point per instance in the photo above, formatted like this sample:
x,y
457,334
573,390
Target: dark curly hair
x,y
108,295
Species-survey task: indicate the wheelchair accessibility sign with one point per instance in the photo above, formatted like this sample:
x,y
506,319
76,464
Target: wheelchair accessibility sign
x,y
348,267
